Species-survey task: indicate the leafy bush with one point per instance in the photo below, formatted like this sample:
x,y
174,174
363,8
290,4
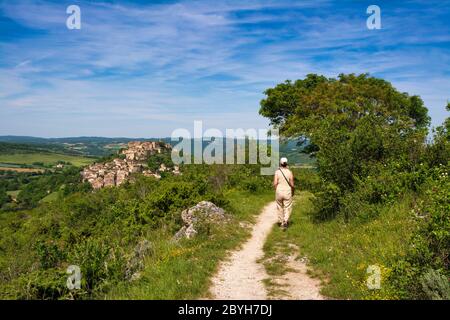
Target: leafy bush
x,y
49,254
306,180
435,285
39,285
355,204
99,263
430,245
327,202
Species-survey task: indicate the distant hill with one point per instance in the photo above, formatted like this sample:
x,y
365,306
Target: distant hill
x,y
22,139
290,149
86,146
102,146
32,140
15,147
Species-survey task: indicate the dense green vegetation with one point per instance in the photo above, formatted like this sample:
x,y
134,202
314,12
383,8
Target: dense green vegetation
x,y
32,172
100,231
12,180
375,169
155,161
29,188
65,182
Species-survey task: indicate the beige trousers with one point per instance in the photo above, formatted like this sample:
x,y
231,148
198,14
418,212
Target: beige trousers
x,y
284,204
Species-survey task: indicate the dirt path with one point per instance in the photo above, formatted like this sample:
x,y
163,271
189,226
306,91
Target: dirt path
x,y
295,284
241,276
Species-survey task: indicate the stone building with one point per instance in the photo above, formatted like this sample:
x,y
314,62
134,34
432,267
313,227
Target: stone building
x,y
117,171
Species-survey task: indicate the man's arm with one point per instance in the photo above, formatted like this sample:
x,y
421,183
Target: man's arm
x,y
291,182
291,179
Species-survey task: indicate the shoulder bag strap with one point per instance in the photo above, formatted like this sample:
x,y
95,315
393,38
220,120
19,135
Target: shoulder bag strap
x,y
285,178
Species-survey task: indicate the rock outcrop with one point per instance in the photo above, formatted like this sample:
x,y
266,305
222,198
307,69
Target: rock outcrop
x,y
117,171
204,211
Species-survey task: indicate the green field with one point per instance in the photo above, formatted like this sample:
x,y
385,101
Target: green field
x,y
46,158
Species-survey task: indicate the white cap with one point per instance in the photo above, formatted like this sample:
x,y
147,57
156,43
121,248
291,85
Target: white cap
x,y
283,160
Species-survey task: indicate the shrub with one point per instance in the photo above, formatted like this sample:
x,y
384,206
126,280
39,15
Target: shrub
x,y
327,202
430,245
355,204
435,285
252,184
98,264
49,254
39,285
306,179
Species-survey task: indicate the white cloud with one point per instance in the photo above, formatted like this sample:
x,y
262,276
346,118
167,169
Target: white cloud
x,y
162,62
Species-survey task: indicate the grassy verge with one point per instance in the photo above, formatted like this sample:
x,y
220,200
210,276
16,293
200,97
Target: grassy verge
x,y
183,270
339,253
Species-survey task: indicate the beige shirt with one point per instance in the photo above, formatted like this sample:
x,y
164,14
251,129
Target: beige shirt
x,y
282,183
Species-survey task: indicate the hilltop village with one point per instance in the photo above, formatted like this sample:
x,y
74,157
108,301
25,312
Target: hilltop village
x,y
131,160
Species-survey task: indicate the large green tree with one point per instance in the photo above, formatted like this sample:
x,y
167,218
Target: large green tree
x,y
351,121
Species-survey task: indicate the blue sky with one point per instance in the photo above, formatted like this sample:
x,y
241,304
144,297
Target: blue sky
x,y
145,68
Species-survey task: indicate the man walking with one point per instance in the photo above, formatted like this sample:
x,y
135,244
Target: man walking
x,y
283,182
